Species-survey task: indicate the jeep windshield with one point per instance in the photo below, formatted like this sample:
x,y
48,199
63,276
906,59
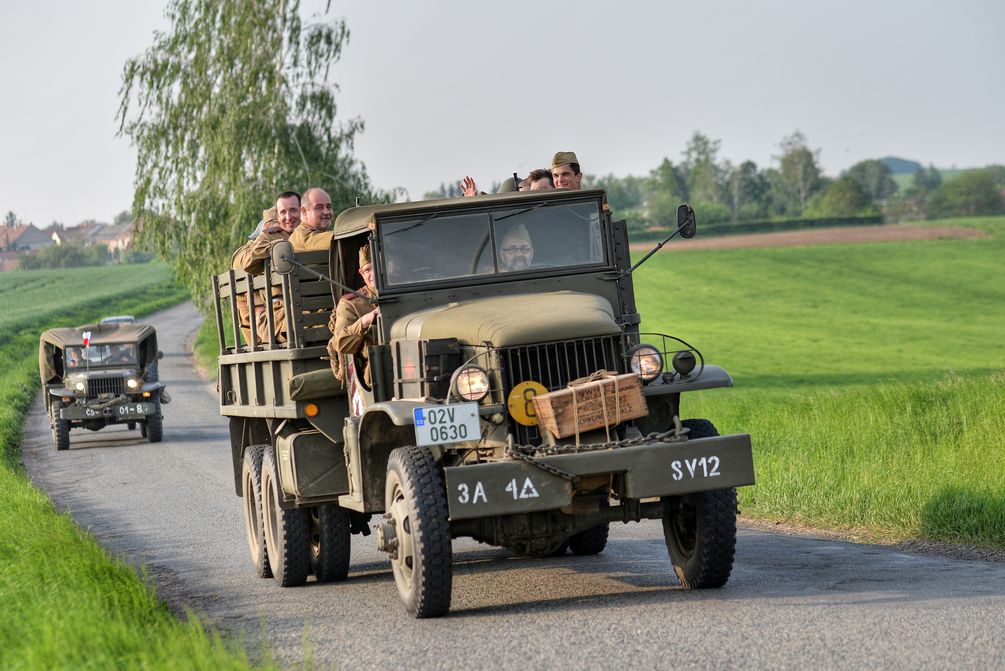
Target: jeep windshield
x,y
121,354
521,239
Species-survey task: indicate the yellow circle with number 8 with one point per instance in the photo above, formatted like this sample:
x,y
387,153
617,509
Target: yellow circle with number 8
x,y
520,404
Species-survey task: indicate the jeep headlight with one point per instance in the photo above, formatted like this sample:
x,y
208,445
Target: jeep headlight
x,y
132,383
79,386
471,383
647,361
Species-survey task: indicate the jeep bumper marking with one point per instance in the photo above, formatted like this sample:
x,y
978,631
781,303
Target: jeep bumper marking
x,y
656,469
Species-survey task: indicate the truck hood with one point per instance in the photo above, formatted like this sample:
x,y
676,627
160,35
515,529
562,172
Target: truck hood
x,y
512,320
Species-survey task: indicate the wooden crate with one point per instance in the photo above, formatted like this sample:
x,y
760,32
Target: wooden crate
x,y
591,405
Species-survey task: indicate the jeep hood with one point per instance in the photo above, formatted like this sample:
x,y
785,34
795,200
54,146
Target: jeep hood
x,y
512,320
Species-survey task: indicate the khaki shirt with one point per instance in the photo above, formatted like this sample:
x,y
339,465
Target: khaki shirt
x,y
250,257
306,239
348,334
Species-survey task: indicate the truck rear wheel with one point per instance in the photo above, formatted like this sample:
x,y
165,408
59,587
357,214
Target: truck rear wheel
x,y
422,561
590,542
251,479
700,528
286,537
60,428
330,542
155,425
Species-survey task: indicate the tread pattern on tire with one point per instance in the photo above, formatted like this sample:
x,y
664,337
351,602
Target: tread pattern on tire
x,y
290,558
60,429
253,457
715,513
155,424
331,562
427,501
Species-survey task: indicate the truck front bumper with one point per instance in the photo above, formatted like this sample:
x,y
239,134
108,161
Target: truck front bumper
x,y
641,471
119,412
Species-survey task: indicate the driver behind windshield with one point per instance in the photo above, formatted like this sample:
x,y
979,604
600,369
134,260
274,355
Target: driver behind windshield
x,y
516,252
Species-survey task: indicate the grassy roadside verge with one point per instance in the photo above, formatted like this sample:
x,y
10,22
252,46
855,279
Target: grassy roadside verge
x,y
871,377
66,604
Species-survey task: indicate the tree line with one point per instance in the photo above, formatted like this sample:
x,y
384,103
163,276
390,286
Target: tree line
x,y
793,187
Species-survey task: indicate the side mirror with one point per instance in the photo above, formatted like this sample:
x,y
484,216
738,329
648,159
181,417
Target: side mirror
x,y
282,257
160,354
685,221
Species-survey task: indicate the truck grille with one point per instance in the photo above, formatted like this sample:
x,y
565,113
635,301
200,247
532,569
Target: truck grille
x,y
555,364
104,385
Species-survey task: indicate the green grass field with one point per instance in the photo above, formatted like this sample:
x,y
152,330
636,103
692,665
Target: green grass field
x,y
871,377
66,604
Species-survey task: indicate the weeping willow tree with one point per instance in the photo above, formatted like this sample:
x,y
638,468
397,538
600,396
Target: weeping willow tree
x,y
230,107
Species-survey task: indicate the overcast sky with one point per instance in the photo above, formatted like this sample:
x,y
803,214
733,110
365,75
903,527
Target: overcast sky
x,y
486,89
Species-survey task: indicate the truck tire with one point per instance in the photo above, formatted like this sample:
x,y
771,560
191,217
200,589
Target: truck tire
x,y
155,425
416,502
60,428
286,537
251,481
590,542
700,528
330,542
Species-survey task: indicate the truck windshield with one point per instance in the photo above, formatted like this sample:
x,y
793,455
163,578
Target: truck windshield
x,y
523,239
121,354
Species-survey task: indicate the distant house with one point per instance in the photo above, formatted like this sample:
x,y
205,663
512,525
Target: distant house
x,y
8,261
116,238
23,238
83,234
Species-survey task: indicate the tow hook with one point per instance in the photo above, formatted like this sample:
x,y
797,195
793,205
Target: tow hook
x,y
387,537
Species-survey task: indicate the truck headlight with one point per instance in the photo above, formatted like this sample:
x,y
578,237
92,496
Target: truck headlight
x,y
647,361
471,383
132,383
79,386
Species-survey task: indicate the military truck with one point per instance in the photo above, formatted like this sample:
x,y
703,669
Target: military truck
x,y
102,374
450,439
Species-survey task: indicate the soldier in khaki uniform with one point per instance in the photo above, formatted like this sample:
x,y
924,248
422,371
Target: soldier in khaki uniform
x,y
316,212
277,224
351,320
565,171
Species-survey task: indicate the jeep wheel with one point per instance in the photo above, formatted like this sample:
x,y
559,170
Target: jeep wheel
x,y
330,542
251,485
416,503
700,528
143,428
590,542
155,425
60,429
286,538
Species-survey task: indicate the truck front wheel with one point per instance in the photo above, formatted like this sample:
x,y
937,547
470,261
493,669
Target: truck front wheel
x,y
60,429
330,542
700,528
251,479
421,558
155,425
286,536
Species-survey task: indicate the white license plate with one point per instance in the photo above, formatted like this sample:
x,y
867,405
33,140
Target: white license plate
x,y
443,424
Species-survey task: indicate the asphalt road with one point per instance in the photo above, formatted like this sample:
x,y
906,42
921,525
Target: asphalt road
x,y
792,602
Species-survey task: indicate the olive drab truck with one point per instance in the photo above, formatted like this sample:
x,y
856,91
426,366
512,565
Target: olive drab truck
x,y
102,374
512,399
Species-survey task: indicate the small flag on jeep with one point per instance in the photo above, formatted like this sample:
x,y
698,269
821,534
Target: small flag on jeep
x,y
87,338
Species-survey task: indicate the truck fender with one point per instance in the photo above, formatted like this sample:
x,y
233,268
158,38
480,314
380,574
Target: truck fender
x,y
712,377
399,412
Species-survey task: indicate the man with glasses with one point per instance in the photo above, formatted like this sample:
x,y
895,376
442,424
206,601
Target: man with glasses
x,y
516,252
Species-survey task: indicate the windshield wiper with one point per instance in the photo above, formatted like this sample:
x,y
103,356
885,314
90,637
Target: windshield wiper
x,y
415,225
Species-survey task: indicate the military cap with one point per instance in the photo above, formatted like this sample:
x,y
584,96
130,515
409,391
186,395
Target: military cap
x,y
269,216
364,255
519,231
564,158
508,186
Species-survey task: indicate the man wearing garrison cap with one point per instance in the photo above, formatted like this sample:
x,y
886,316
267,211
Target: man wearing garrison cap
x,y
351,320
565,170
277,223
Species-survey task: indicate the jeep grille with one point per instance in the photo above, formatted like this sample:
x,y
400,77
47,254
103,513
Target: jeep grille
x,y
104,385
555,365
